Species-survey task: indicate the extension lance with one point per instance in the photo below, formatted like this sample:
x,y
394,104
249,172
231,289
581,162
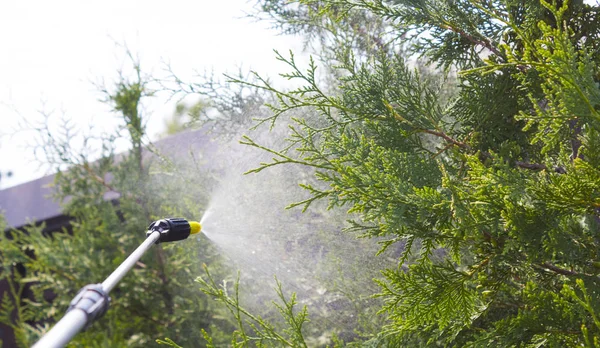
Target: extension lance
x,y
93,301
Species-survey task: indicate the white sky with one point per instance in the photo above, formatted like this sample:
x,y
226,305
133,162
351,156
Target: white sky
x,y
52,50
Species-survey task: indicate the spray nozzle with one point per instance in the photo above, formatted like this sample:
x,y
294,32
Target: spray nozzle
x,y
173,229
195,227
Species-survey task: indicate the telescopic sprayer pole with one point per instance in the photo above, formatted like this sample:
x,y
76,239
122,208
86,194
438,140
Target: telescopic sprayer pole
x,y
93,301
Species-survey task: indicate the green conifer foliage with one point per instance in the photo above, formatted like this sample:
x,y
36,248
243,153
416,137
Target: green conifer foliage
x,y
495,193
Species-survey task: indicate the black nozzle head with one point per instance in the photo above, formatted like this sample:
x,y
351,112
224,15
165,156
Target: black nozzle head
x,y
170,230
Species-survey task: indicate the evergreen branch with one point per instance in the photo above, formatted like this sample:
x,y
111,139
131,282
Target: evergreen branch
x,y
558,270
169,342
437,133
262,329
232,304
476,268
442,150
562,76
309,95
385,244
295,322
586,301
208,339
447,138
485,42
512,25
539,166
285,159
96,178
316,195
532,166
407,252
425,292
235,308
11,305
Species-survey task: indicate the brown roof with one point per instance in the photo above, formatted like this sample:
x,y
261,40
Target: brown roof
x,y
29,202
32,201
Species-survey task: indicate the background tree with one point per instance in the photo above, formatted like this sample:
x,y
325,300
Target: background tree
x,y
220,107
111,198
184,117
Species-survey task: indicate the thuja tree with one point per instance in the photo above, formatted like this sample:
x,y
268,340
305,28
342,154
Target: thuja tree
x,y
111,199
495,194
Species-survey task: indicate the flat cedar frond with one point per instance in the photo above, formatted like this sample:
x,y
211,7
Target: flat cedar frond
x,y
252,329
577,192
428,295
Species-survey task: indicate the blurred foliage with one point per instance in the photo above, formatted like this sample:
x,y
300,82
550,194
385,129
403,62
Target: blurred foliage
x,y
184,117
111,200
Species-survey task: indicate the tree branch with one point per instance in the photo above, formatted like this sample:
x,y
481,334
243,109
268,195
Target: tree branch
x,y
539,166
557,269
532,166
485,42
447,138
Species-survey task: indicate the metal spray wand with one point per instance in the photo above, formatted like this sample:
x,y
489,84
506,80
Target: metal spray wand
x,y
93,301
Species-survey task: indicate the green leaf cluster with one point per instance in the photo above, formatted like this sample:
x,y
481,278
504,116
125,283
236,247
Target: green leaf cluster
x,y
493,193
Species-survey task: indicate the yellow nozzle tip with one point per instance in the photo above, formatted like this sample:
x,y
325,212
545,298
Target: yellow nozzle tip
x,y
195,227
